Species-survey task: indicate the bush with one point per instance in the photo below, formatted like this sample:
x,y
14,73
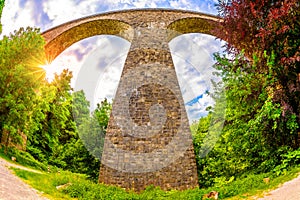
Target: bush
x,y
26,159
289,159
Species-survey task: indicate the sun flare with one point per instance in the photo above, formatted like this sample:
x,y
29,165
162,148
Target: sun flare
x,y
50,71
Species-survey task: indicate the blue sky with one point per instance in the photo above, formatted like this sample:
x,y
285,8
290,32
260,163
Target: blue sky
x,y
97,62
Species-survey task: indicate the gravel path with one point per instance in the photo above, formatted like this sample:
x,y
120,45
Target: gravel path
x,y
12,187
288,191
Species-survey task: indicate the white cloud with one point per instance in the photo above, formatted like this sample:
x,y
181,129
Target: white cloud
x,y
199,6
61,11
101,69
193,59
14,16
181,4
50,13
192,55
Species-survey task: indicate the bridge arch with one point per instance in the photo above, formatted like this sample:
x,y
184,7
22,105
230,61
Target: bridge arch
x,y
123,23
56,44
148,139
192,25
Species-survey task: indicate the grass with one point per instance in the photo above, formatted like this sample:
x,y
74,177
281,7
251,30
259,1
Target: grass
x,y
22,158
253,185
82,188
46,182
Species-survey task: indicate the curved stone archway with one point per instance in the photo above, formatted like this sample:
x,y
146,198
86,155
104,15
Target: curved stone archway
x,y
148,140
60,38
123,23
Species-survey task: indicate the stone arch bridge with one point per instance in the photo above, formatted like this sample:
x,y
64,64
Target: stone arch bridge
x,y
148,140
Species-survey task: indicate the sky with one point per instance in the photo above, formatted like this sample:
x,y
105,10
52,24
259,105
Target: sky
x,y
97,62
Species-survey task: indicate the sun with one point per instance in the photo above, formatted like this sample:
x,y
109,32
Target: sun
x,y
50,71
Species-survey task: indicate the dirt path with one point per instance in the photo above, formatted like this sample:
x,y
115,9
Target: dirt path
x,y
288,191
12,187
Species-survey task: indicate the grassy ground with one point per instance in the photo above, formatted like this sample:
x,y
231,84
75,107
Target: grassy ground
x,y
23,158
254,186
81,188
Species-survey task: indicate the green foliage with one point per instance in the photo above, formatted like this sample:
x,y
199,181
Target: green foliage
x,y
93,129
254,137
47,182
84,189
20,78
261,104
262,88
83,150
23,158
102,113
289,159
52,117
81,188
1,8
80,107
268,32
75,157
222,163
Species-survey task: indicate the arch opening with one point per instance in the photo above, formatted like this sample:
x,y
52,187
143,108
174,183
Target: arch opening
x,y
193,60
57,44
192,25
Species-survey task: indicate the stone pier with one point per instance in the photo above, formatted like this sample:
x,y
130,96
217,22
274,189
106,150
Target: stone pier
x,y
148,139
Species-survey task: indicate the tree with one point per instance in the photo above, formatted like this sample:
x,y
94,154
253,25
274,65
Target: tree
x,y
102,113
92,131
267,31
20,78
261,77
80,107
1,8
82,153
54,115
